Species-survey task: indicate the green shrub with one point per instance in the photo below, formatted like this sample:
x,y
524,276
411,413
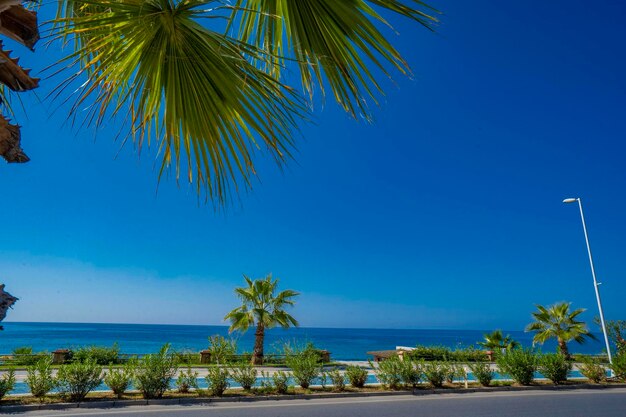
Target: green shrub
x,y
309,349
102,355
7,383
443,353
388,372
24,356
482,372
187,358
155,372
186,380
455,371
280,381
244,374
357,376
324,377
222,349
217,380
592,369
554,366
410,372
436,372
119,379
519,364
39,378
619,366
304,367
338,379
77,379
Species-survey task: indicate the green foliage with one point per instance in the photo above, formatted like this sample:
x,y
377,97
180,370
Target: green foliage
x,y
496,341
436,372
280,380
222,348
186,358
119,379
328,39
444,353
324,377
308,348
24,356
357,376
519,364
155,372
389,372
219,97
39,378
456,371
558,322
304,367
217,380
619,366
277,383
261,307
23,350
410,372
592,369
482,372
102,355
186,380
337,379
616,330
78,378
554,366
7,383
244,374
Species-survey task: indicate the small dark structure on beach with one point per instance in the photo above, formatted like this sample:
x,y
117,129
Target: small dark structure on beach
x,y
381,355
6,302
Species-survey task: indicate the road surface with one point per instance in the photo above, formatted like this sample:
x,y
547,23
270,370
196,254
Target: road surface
x,y
575,403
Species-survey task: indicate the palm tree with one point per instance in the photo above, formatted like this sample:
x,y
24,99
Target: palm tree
x,y
210,96
557,321
496,341
263,308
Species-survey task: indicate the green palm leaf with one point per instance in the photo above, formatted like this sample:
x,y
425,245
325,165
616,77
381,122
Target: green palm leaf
x,y
194,90
558,322
334,42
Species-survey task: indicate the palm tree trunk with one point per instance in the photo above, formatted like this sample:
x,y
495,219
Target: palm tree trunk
x,y
563,348
259,338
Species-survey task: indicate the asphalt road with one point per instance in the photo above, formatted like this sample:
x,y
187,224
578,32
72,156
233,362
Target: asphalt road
x,y
578,403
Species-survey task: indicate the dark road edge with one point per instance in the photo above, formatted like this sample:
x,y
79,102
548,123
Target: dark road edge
x,y
107,404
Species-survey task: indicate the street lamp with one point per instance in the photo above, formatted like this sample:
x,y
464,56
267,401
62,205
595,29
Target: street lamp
x,y
593,273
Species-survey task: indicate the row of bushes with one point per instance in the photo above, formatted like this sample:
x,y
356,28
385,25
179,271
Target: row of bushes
x,y
444,353
223,351
24,356
519,364
153,374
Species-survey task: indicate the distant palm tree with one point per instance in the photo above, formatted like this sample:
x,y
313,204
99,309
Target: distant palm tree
x,y
557,321
263,308
496,341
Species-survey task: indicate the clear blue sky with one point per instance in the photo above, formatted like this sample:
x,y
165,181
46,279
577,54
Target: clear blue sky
x,y
444,213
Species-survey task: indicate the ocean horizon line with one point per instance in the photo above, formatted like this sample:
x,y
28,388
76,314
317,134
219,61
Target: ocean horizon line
x,y
300,327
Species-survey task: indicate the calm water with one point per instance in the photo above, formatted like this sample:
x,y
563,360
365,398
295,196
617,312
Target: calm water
x,y
344,344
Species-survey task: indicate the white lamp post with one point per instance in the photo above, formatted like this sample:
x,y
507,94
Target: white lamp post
x,y
593,273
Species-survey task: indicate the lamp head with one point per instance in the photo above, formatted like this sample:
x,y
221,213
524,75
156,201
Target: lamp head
x,y
570,200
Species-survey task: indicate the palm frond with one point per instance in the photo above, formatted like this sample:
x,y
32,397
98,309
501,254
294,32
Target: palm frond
x,y
333,42
194,90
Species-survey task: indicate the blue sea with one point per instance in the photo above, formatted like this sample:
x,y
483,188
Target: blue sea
x,y
344,344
